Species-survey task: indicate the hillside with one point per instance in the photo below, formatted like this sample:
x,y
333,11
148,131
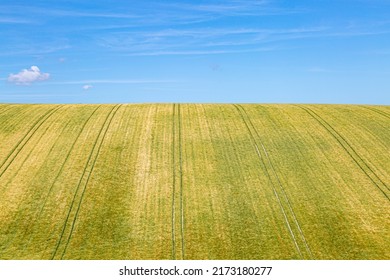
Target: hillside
x,y
194,181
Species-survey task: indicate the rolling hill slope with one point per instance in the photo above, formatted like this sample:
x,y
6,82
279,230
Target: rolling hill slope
x,y
194,181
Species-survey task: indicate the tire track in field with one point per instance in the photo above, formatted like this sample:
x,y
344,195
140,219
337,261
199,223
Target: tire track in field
x,y
181,183
350,150
6,109
18,113
377,111
23,162
84,179
174,183
58,175
29,152
280,185
25,139
113,111
177,184
270,178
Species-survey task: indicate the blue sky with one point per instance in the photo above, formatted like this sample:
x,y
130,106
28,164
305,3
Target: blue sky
x,y
317,51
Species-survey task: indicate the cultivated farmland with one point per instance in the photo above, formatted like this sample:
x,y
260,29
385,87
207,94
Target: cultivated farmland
x,y
194,181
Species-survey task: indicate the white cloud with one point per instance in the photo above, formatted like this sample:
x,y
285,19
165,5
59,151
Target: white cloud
x,y
28,76
87,87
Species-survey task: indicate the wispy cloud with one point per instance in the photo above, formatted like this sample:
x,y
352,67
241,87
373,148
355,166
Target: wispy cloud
x,y
25,49
225,7
153,13
220,41
234,8
54,12
69,13
32,97
193,41
202,52
140,30
171,28
10,20
109,81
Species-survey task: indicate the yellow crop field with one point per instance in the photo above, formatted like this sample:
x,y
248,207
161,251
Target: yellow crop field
x,y
194,181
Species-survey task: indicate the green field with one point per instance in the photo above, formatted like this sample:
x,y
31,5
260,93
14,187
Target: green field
x,y
194,181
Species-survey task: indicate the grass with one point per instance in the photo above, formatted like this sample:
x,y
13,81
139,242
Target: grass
x,y
194,181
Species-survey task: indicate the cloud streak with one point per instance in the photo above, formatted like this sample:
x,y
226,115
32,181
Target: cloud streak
x,y
109,81
153,13
233,8
171,28
202,41
198,41
202,52
36,49
53,12
9,20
